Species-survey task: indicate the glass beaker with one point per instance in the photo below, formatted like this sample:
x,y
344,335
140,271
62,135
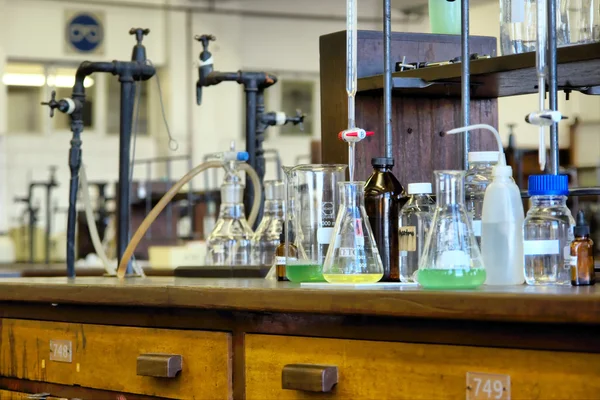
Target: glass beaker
x,y
444,16
451,257
353,256
312,205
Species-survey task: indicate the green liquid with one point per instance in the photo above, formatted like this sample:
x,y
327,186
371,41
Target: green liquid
x,y
469,278
304,273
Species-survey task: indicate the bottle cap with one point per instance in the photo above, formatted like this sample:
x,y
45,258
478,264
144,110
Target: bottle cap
x,y
581,229
419,188
381,162
483,156
502,170
548,185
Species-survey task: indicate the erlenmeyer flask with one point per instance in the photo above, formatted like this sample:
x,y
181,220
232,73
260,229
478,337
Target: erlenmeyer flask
x,y
451,257
353,256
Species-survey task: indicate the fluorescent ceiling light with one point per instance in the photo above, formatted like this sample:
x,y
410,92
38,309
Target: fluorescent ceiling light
x,y
37,80
23,80
67,81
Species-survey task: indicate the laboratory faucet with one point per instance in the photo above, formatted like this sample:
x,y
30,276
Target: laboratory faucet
x,y
257,121
129,72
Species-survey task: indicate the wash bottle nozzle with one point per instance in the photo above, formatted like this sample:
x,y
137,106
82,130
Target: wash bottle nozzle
x,y
501,157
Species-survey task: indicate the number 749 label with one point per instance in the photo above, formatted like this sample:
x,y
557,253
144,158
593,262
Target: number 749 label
x,y
482,386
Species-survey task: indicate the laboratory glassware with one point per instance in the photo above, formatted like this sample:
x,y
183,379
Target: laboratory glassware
x,y
502,233
477,179
313,202
413,224
383,200
582,254
266,238
518,20
230,241
451,257
548,231
353,256
444,16
588,26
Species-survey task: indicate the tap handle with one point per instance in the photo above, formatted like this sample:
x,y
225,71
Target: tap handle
x,y
205,39
52,103
139,33
298,119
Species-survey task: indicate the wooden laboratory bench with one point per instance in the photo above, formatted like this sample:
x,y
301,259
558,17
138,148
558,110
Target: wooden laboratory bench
x,y
185,338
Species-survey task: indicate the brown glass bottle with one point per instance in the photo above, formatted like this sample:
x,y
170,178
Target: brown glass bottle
x,y
280,260
384,197
582,254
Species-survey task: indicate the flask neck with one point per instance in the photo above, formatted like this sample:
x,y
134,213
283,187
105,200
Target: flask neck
x,y
450,187
232,211
274,207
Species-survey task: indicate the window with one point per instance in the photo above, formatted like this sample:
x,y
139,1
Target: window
x,y
29,84
297,95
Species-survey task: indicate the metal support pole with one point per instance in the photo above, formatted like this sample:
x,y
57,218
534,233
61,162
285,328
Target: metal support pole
x,y
251,93
149,196
48,223
552,85
123,215
466,77
169,206
387,77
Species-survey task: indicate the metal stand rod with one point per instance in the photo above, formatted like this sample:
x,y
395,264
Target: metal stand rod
x,y
48,223
387,75
466,77
552,85
251,93
127,102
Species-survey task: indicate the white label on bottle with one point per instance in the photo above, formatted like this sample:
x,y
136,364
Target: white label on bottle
x,y
517,11
573,261
280,260
538,247
567,253
324,235
477,228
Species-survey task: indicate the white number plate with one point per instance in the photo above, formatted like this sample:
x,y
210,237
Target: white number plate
x,y
61,351
481,386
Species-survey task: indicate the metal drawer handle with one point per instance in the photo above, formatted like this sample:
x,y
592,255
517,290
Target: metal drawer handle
x,y
159,365
309,377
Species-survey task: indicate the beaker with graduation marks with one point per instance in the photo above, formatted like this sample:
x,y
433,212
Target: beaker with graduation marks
x,y
451,257
353,256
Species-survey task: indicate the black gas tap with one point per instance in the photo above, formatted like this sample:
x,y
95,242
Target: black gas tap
x,y
129,72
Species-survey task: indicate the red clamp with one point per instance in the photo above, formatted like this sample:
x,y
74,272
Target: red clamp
x,y
354,135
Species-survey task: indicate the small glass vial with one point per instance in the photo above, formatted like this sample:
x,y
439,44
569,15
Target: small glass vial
x,y
548,231
582,254
477,179
413,224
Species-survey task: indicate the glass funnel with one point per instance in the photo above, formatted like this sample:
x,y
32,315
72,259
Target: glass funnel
x,y
312,204
451,257
353,256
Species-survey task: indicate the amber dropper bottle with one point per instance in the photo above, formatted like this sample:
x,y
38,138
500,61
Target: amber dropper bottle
x,y
582,254
384,197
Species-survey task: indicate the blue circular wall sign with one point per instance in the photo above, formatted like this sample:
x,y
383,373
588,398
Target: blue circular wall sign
x,y
85,32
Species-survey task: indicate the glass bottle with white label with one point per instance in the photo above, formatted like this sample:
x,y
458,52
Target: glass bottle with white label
x,y
477,179
548,231
312,205
352,256
413,224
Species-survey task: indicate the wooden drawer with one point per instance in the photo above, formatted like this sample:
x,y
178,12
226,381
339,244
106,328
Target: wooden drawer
x,y
105,357
381,370
8,395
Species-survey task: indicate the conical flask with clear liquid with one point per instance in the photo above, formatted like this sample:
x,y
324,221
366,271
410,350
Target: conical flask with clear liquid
x,y
451,257
353,256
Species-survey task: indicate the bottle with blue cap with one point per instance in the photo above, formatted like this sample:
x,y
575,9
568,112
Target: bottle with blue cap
x,y
548,231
